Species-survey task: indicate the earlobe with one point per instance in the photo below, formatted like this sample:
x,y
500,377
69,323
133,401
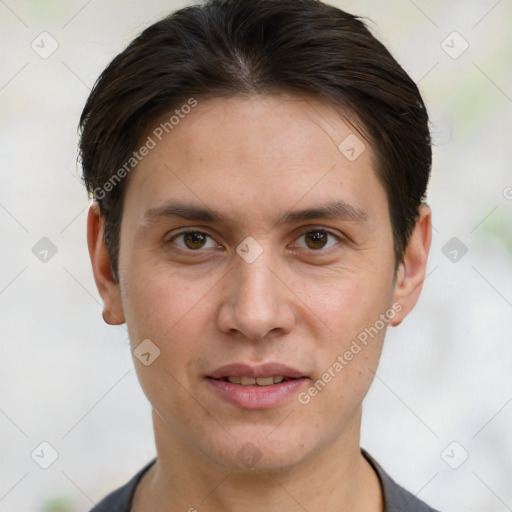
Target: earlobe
x,y
411,272
108,287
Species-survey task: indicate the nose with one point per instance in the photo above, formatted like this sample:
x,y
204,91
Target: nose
x,y
256,302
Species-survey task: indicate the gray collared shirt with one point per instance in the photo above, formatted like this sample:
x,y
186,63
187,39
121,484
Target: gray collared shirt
x,y
396,498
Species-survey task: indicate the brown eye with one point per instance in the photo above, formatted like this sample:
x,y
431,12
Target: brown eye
x,y
193,240
318,239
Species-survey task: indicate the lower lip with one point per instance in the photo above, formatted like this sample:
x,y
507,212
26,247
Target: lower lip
x,y
257,397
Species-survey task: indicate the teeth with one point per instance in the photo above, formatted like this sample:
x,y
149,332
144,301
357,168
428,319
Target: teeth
x,y
260,381
265,381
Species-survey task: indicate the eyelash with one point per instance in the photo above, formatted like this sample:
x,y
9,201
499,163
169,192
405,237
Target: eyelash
x,y
314,230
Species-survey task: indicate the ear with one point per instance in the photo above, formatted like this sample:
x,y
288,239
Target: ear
x,y
411,272
113,313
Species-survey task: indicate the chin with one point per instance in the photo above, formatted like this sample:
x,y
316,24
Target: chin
x,y
256,453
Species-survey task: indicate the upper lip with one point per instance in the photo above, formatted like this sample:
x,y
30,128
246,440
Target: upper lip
x,y
264,370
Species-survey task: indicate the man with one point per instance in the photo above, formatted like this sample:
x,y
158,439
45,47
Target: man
x,y
259,169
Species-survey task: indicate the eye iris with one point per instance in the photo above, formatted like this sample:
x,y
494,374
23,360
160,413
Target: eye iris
x,y
194,240
317,237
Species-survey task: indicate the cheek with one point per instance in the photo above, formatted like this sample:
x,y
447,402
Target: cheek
x,y
161,309
349,303
355,310
155,303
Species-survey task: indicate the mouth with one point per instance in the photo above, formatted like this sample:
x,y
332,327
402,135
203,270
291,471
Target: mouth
x,y
245,380
261,375
256,387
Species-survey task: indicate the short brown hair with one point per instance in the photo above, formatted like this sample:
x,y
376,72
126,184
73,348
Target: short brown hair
x,y
226,48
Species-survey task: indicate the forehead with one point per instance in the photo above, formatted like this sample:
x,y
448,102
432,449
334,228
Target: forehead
x,y
256,155
287,126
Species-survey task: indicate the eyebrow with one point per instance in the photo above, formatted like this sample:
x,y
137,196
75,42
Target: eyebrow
x,y
336,210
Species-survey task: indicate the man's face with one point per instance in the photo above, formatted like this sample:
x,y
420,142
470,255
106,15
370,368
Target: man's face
x,y
257,288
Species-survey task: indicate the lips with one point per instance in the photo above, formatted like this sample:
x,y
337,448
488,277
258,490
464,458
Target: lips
x,y
250,375
256,387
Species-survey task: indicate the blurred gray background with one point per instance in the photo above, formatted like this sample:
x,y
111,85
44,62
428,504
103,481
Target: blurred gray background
x,y
438,417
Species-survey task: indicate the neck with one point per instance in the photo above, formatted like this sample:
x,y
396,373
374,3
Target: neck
x,y
336,477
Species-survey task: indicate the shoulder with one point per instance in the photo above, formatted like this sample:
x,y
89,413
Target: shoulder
x,y
120,499
396,498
